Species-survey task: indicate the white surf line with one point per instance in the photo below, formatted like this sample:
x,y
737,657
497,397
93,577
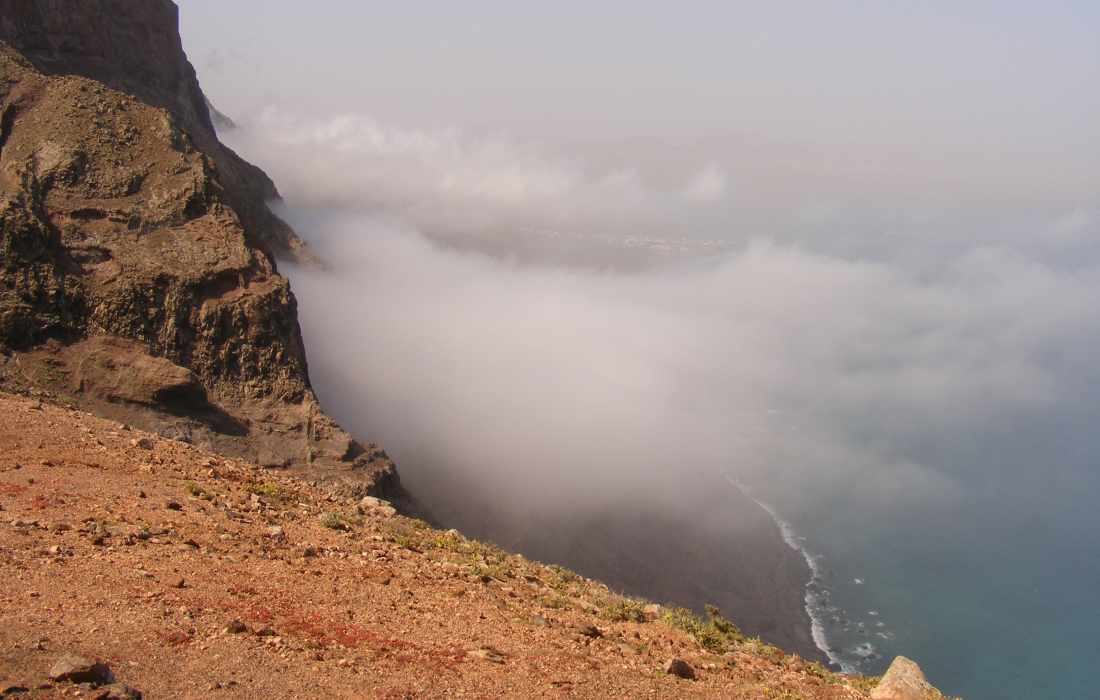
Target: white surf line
x,y
786,530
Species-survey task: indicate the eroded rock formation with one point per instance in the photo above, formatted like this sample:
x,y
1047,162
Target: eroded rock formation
x,y
138,273
904,680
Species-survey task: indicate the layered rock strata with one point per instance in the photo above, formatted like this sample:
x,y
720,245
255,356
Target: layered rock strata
x,y
137,253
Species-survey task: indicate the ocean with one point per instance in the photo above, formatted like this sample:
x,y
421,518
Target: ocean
x,y
998,599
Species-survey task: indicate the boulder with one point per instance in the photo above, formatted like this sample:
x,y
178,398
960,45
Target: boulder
x,y
78,669
370,504
116,691
236,627
680,669
904,681
119,370
488,654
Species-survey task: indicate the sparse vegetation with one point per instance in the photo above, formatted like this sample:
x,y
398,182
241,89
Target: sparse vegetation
x,y
448,541
198,492
622,609
267,489
554,602
715,634
764,650
864,683
335,521
814,668
782,694
484,558
407,535
561,578
494,569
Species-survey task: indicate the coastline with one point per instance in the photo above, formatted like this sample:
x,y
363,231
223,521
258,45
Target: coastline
x,y
817,624
814,603
727,550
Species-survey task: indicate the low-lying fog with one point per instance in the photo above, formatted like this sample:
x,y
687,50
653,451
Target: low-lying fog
x,y
462,324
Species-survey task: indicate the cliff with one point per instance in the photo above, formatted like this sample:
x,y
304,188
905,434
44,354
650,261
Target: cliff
x,y
138,273
135,48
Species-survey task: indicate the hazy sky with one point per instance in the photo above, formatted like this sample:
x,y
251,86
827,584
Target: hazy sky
x,y
851,127
999,97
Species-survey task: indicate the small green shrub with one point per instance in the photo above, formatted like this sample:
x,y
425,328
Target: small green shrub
x,y
624,610
198,491
498,570
554,602
782,694
407,541
270,490
449,541
560,578
334,521
815,668
715,634
864,683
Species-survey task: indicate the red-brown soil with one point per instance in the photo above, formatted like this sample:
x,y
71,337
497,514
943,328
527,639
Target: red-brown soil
x,y
146,553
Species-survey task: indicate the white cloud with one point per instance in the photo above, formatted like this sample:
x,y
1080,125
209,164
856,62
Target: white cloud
x,y
554,385
708,185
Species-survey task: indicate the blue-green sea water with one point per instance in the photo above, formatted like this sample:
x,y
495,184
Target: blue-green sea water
x,y
997,595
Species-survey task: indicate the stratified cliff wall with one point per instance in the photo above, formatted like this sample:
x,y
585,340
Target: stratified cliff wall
x,y
135,48
138,273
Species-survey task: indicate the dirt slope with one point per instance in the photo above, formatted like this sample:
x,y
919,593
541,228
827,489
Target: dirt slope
x,y
192,575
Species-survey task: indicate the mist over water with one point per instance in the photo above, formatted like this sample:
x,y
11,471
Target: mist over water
x,y
887,334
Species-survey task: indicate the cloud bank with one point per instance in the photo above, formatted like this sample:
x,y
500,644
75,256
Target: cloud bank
x,y
573,382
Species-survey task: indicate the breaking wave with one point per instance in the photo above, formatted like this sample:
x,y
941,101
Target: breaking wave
x,y
817,597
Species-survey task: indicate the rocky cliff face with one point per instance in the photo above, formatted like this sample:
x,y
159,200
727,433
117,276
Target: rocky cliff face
x,y
138,253
135,48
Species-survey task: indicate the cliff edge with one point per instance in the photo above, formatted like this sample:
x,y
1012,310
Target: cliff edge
x,y
138,276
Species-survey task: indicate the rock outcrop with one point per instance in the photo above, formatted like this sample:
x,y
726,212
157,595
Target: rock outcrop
x,y
135,48
137,253
904,681
77,669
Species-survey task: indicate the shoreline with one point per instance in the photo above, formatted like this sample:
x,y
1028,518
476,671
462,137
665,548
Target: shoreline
x,y
727,551
792,540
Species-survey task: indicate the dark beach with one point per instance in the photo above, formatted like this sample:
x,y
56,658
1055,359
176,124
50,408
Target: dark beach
x,y
715,546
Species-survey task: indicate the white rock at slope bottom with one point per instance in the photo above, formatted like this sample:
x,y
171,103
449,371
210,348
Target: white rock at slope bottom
x,y
904,681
